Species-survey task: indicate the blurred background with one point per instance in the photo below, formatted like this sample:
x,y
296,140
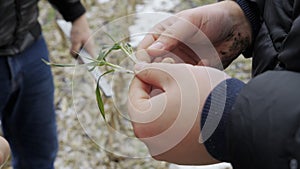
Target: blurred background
x,y
86,141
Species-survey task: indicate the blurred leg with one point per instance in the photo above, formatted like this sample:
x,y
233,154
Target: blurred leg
x,y
5,88
29,118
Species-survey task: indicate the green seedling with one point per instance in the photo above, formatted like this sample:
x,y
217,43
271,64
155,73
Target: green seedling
x,y
101,61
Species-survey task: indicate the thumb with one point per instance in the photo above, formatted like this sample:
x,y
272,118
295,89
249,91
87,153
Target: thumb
x,y
177,32
154,74
163,45
75,48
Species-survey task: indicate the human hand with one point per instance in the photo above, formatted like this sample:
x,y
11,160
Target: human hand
x,y
4,151
224,24
80,34
168,122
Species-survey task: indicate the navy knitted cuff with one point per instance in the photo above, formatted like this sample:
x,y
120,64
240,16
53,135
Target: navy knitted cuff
x,y
215,114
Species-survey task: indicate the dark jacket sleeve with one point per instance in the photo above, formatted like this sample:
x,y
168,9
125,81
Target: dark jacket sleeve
x,y
69,9
289,54
263,126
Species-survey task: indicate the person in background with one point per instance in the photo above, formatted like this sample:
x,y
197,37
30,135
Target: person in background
x,y
4,151
259,122
26,83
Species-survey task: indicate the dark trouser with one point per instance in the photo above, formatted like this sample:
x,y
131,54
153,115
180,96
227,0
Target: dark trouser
x,y
26,108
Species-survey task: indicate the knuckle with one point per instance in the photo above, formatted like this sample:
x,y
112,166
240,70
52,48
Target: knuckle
x,y
147,73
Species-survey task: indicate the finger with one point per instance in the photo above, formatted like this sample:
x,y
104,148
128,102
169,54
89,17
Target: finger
x,y
176,32
157,59
203,62
154,74
139,91
155,91
75,48
147,40
142,108
154,47
168,60
90,48
155,32
187,54
143,56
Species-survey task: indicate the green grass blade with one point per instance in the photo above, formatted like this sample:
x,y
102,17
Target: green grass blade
x,y
100,102
58,64
113,48
99,96
101,55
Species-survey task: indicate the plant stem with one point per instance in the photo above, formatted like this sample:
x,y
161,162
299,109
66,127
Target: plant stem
x,y
131,56
119,68
57,64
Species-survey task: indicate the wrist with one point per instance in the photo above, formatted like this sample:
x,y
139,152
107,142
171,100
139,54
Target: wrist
x,y
207,79
226,25
240,37
81,19
252,14
240,21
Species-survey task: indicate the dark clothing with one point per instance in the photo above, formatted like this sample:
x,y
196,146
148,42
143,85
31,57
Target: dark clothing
x,y
276,34
26,83
19,24
259,126
27,108
261,129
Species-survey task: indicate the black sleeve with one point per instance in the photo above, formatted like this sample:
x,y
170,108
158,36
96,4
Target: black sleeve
x,y
263,129
289,54
69,9
259,124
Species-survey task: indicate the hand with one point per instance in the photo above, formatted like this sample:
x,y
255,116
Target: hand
x,y
80,34
224,24
168,122
4,151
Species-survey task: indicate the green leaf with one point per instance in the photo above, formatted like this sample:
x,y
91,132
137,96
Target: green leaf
x,y
100,102
101,55
57,64
94,65
101,63
99,96
116,46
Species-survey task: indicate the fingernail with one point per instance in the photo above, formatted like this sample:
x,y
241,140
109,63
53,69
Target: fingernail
x,y
139,66
156,45
168,60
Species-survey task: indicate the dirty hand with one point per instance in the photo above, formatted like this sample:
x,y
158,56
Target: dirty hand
x,y
168,121
181,36
4,151
80,34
